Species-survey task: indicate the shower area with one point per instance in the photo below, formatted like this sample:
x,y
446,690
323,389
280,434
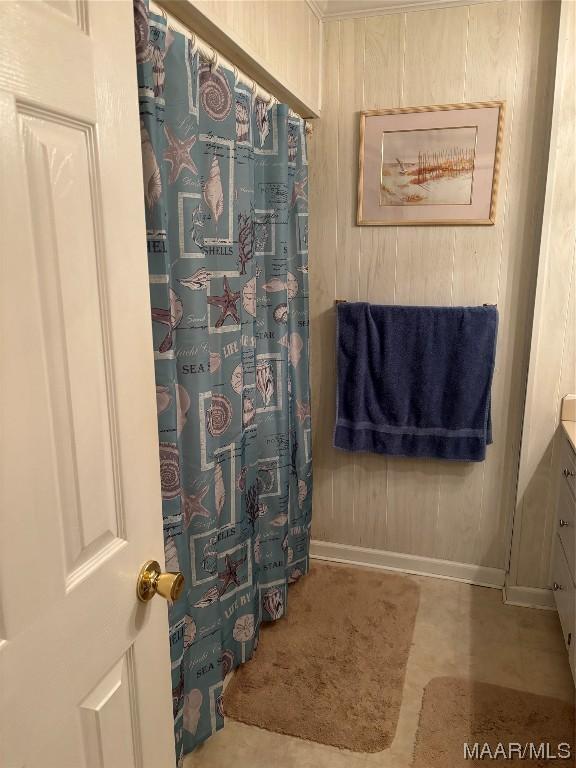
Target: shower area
x,y
225,186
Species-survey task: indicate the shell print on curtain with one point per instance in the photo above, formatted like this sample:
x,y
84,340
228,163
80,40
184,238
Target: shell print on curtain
x,y
225,191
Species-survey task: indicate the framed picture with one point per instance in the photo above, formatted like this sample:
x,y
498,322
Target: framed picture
x,y
430,165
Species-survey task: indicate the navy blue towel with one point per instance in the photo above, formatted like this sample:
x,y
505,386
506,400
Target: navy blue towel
x,y
415,381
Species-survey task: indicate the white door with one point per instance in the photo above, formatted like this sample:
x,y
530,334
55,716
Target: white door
x,y
84,667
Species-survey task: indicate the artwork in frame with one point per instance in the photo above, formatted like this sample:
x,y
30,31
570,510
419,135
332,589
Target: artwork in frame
x,y
430,165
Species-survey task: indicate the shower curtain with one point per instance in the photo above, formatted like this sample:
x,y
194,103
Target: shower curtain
x,y
225,188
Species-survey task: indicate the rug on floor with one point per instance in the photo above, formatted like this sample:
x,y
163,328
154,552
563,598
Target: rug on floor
x,y
333,669
456,711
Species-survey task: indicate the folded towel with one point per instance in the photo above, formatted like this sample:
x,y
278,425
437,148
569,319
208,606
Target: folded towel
x,y
415,381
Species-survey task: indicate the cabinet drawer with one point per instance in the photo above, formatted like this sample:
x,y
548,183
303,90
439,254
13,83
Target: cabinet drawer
x,y
566,525
568,464
564,595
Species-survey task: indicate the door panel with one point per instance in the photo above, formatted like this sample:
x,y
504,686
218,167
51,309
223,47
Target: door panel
x,y
61,180
108,726
84,667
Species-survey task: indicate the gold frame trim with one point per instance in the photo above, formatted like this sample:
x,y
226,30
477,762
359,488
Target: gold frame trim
x,y
433,108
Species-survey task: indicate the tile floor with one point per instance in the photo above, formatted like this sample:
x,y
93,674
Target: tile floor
x,y
461,630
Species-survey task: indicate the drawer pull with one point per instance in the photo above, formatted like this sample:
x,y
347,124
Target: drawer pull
x,y
563,523
568,472
557,587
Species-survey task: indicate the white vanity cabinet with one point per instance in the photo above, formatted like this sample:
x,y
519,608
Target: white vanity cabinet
x,y
564,559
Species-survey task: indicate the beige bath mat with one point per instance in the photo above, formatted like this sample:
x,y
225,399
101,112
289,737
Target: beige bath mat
x,y
333,669
455,712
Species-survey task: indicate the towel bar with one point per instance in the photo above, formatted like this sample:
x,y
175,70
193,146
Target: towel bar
x,y
345,301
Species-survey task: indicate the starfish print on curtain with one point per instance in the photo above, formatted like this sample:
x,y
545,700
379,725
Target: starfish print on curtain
x,y
230,575
161,315
178,154
227,303
299,190
170,318
302,411
192,505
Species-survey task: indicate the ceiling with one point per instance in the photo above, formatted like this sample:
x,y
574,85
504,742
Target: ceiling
x,y
335,9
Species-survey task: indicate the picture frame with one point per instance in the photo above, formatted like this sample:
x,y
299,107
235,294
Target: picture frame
x,y
430,165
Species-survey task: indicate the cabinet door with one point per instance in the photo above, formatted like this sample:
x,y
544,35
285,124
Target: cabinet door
x,y
564,594
568,465
565,523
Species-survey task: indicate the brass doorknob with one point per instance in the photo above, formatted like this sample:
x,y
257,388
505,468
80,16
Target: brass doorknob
x,y
151,580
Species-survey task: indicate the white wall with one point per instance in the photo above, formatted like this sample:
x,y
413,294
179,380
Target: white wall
x,y
504,50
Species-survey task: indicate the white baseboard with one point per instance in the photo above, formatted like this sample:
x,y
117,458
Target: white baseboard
x,y
414,564
529,597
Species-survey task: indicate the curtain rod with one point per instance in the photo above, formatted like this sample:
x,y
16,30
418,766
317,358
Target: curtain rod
x,y
216,59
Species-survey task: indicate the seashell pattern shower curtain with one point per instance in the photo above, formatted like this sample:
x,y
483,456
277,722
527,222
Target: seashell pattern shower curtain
x,y
225,190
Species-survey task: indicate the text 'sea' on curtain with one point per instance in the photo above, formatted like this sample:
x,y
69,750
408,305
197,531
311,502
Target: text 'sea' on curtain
x,y
225,187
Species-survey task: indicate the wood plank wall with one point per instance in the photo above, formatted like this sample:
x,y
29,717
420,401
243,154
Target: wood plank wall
x,y
552,372
285,36
503,50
